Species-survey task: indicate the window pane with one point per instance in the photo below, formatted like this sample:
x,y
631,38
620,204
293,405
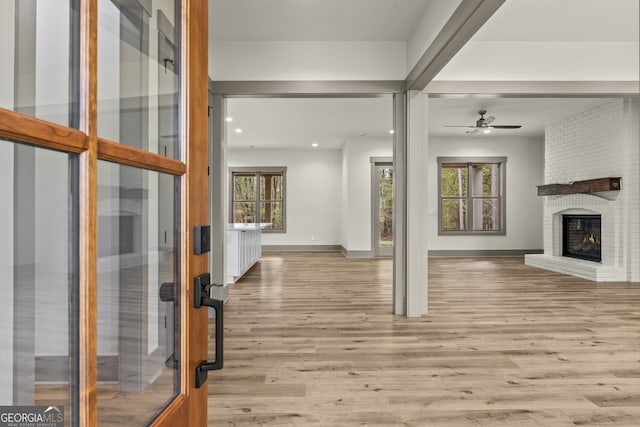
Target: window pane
x,y
454,214
386,207
244,212
139,74
271,212
485,180
35,71
486,214
244,186
271,186
453,180
138,313
38,279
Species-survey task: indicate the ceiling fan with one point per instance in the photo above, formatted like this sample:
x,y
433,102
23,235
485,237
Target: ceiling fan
x,y
484,124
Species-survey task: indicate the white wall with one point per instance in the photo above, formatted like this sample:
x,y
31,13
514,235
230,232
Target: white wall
x,y
631,171
356,220
328,192
307,61
313,199
525,170
344,207
51,253
52,60
7,33
586,145
109,74
7,47
51,35
598,143
6,272
108,176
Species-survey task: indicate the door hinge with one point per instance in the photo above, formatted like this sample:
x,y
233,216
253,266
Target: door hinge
x,y
209,109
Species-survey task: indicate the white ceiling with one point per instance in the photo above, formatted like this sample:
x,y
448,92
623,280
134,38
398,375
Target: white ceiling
x,y
562,20
296,123
553,40
314,20
532,113
395,20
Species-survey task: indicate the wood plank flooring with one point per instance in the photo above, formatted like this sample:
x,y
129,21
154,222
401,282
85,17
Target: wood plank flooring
x,y
310,340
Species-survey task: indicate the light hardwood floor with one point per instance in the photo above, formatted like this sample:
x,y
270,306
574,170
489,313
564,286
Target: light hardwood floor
x,y
310,340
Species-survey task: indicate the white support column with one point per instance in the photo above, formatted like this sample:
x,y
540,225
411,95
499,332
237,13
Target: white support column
x,y
218,196
416,205
399,205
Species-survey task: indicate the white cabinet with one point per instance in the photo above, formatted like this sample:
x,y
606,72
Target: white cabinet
x,y
244,248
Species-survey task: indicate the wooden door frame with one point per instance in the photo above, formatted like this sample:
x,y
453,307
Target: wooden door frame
x,y
190,407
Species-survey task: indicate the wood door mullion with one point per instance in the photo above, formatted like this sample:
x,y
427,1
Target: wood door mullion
x,y
135,157
21,127
88,214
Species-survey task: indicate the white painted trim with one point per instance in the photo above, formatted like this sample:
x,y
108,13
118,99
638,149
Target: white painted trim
x,y
461,253
301,248
356,254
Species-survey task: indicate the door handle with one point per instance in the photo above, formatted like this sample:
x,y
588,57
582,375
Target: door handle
x,y
202,284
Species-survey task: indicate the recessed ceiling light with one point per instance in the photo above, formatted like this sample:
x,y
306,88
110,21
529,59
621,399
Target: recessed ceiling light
x,y
487,131
229,119
363,134
238,130
315,144
392,131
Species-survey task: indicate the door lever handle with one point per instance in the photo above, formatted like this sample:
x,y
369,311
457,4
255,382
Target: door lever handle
x,y
202,284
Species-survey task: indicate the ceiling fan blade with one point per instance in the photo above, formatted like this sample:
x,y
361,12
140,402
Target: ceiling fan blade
x,y
488,119
506,126
454,126
472,132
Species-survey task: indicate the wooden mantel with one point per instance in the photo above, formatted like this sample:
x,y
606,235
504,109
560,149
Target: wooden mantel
x,y
588,186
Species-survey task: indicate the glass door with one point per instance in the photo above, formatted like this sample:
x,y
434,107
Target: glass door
x,y
382,209
103,172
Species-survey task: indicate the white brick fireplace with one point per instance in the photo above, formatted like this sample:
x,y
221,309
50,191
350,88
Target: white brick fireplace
x,y
598,143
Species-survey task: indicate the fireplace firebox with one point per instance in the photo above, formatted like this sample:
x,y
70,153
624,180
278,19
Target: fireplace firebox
x,y
581,237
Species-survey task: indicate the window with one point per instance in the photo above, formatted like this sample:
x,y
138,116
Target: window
x,y
471,195
258,196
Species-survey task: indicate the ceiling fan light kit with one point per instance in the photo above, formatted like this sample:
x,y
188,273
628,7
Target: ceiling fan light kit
x,y
484,124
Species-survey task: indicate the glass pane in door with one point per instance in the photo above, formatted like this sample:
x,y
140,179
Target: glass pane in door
x,y
139,74
38,282
138,313
385,179
36,58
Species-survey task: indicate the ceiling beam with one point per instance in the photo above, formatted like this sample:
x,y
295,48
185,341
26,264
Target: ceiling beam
x,y
461,26
531,89
306,88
